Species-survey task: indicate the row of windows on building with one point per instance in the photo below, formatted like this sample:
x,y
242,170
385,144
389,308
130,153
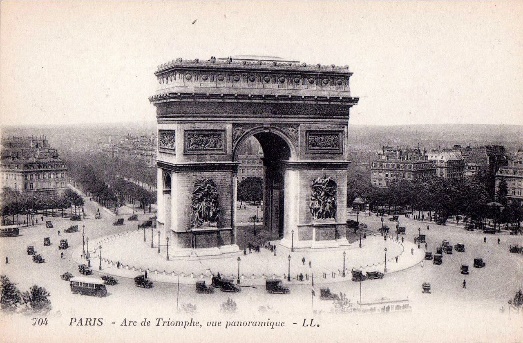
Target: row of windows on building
x,y
47,175
40,185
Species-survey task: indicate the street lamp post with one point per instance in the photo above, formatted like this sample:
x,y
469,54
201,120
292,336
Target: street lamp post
x,y
289,275
292,241
343,274
360,239
87,252
238,279
83,240
358,217
385,269
158,241
152,237
143,232
167,248
419,236
100,266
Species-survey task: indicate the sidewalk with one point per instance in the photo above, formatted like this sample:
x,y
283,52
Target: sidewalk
x,y
135,256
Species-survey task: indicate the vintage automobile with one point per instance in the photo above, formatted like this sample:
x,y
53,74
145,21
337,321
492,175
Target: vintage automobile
x,y
420,239
98,216
428,255
76,217
38,258
109,280
133,217
425,287
71,229
489,230
445,243
441,221
459,247
118,221
516,249
352,224
202,288
31,250
438,259
357,275
47,241
147,223
63,244
49,224
439,250
464,269
448,249
394,218
66,276
325,294
401,230
470,227
84,269
9,231
141,281
478,263
375,275
275,286
225,285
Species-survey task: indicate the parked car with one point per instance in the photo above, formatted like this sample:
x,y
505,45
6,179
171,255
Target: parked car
x,y
516,249
394,218
274,286
109,280
225,285
84,269
49,224
38,258
202,288
445,243
98,216
428,255
47,241
438,259
133,217
31,250
478,263
147,223
76,217
71,229
460,247
448,249
470,227
401,230
357,275
439,250
63,244
425,287
141,281
118,221
375,275
66,276
464,269
420,239
489,230
325,294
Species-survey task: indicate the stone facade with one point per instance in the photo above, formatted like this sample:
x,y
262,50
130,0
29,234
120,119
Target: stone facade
x,y
299,115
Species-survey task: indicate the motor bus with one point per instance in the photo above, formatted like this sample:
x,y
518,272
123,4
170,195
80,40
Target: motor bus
x,y
88,286
9,231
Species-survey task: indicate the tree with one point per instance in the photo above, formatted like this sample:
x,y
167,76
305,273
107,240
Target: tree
x,y
11,297
502,192
250,189
36,300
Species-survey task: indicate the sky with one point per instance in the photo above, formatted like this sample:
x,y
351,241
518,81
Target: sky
x,y
414,62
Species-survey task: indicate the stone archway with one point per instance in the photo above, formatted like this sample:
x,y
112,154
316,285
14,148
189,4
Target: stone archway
x,y
298,113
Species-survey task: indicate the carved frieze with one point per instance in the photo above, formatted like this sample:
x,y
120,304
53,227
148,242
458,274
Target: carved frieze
x,y
204,141
324,198
167,141
324,142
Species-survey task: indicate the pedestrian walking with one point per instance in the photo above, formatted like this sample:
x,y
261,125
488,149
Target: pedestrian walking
x,y
58,232
402,239
412,251
422,263
303,260
118,264
484,239
62,254
428,227
499,240
309,264
6,260
464,284
396,259
146,273
426,246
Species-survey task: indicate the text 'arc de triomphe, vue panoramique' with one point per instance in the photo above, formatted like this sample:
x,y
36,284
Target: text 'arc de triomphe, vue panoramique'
x,y
299,113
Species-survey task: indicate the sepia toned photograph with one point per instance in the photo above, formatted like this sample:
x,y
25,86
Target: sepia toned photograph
x,y
261,171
